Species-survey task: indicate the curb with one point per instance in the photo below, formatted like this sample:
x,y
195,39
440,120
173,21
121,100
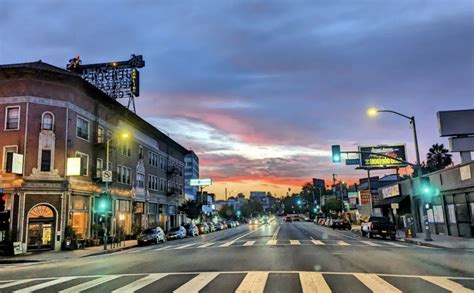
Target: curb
x,y
420,243
108,251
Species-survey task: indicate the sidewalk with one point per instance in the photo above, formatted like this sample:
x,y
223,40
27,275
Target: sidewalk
x,y
70,254
439,241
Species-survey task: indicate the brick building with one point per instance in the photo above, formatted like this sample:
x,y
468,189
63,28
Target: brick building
x,y
50,115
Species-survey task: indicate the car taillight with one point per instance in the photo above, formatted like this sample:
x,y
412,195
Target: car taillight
x,y
371,226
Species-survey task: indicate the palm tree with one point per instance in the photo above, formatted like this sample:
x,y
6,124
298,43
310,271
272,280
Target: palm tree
x,y
438,157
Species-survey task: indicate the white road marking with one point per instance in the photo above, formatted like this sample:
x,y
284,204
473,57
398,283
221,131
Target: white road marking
x,y
313,283
45,285
295,242
370,243
184,246
247,234
14,283
140,283
197,283
249,243
317,242
253,282
90,284
447,284
227,244
395,244
342,243
375,283
206,245
271,242
275,235
140,250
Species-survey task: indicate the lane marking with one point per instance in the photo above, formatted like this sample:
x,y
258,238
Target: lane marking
x,y
184,246
249,243
206,245
375,283
275,235
342,243
90,284
313,283
317,242
47,284
14,283
247,234
447,284
227,244
197,283
271,242
140,283
295,242
370,243
253,282
162,248
395,244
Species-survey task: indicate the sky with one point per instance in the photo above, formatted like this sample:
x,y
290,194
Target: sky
x,y
260,90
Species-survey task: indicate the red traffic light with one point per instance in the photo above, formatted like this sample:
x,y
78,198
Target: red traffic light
x,y
4,198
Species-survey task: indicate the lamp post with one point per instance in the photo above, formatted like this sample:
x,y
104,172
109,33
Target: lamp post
x,y
372,112
124,136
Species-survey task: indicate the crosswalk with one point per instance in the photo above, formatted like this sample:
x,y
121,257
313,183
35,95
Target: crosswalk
x,y
254,243
240,281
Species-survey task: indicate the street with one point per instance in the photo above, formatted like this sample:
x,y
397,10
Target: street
x,y
280,257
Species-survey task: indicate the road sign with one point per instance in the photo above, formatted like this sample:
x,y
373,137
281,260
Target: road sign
x,y
107,176
394,206
200,182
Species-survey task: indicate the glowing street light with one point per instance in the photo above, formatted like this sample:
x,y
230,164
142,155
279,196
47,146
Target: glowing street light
x,y
372,112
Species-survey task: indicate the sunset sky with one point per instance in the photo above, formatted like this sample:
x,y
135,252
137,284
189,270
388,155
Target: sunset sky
x,y
260,90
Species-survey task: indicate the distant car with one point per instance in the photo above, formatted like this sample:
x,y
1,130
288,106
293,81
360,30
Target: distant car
x,y
151,236
253,221
341,224
176,233
212,227
191,230
287,219
219,226
230,224
203,228
379,226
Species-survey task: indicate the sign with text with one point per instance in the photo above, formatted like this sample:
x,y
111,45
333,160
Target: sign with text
x,y
200,182
107,176
364,197
389,191
370,159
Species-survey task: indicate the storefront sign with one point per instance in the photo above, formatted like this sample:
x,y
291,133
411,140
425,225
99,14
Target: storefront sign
x,y
364,197
390,191
200,182
369,159
394,206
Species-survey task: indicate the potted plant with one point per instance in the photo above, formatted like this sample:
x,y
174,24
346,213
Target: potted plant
x,y
69,242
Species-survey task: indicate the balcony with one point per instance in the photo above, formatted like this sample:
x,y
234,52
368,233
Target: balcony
x,y
174,191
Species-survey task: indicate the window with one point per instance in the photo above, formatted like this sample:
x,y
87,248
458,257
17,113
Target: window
x,y
6,151
162,184
140,180
12,118
123,174
124,148
152,182
82,128
140,152
84,163
162,163
47,121
99,167
153,159
45,161
100,134
109,134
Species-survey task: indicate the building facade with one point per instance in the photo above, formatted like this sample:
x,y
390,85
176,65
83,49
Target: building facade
x,y
191,171
262,197
52,115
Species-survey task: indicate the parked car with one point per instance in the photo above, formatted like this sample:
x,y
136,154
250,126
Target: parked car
x,y
287,219
203,228
151,235
237,223
212,227
380,226
230,224
191,230
219,226
176,233
224,225
341,224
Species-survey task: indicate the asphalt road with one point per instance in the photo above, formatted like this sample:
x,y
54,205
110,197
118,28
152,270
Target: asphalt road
x,y
281,257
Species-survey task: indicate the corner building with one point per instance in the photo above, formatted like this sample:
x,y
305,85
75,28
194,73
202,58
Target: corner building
x,y
49,115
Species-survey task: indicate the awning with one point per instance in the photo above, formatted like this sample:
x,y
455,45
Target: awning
x,y
388,201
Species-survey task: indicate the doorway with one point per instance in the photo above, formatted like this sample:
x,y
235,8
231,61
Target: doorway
x,y
41,227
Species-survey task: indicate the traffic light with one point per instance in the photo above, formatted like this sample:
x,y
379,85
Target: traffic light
x,y
103,203
3,201
336,153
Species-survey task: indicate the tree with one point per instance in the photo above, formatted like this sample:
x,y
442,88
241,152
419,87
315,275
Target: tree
x,y
226,212
332,204
191,208
438,158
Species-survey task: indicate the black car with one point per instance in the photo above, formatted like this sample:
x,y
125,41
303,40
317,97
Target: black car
x,y
176,233
341,224
191,229
151,236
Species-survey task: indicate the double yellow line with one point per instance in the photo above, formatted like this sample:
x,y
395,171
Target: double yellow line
x,y
275,235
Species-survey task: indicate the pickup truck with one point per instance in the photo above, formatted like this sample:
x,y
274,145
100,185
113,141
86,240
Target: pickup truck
x,y
379,226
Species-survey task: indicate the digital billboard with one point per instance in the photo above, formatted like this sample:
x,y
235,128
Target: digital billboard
x,y
370,159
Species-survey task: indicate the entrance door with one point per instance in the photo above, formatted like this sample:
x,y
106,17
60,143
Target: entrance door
x,y
41,225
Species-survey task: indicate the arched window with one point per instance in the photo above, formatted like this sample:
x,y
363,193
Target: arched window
x,y
47,121
41,211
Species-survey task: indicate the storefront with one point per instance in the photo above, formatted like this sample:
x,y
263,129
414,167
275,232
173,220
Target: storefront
x,y
123,219
42,223
152,212
79,216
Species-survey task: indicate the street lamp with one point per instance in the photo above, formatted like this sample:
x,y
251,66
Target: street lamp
x,y
123,135
373,112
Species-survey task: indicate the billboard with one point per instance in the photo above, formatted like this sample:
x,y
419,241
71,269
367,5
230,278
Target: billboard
x,y
200,182
369,159
456,123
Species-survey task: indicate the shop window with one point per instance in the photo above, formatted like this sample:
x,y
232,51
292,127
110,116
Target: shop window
x,y
79,223
45,161
12,118
138,208
47,121
82,128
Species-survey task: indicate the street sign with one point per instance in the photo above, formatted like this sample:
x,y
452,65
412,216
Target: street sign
x,y
394,206
107,176
369,159
200,182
